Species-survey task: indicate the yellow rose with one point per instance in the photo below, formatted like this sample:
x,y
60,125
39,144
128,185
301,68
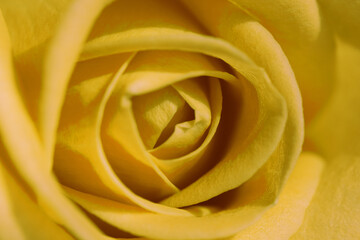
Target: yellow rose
x,y
182,119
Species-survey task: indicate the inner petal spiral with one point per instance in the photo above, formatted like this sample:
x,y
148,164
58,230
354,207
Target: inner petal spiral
x,y
188,135
157,113
164,114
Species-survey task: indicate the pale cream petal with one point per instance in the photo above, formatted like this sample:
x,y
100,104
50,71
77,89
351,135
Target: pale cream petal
x,y
334,213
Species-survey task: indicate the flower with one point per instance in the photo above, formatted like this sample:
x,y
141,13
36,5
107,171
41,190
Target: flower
x,y
179,119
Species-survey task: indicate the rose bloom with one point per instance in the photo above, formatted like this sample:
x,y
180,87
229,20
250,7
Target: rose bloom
x,y
180,119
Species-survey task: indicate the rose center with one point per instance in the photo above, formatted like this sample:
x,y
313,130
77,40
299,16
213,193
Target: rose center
x,y
172,121
157,113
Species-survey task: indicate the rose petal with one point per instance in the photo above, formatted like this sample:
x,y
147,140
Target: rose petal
x,y
334,213
149,71
152,70
21,217
344,17
285,218
79,156
77,139
159,226
337,129
155,111
159,37
59,63
187,136
30,33
228,22
186,169
26,152
288,212
306,39
89,128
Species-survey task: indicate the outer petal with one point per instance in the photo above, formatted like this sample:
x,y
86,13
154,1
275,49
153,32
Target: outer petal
x,y
334,213
307,41
59,64
344,16
30,25
21,218
20,140
286,216
343,110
